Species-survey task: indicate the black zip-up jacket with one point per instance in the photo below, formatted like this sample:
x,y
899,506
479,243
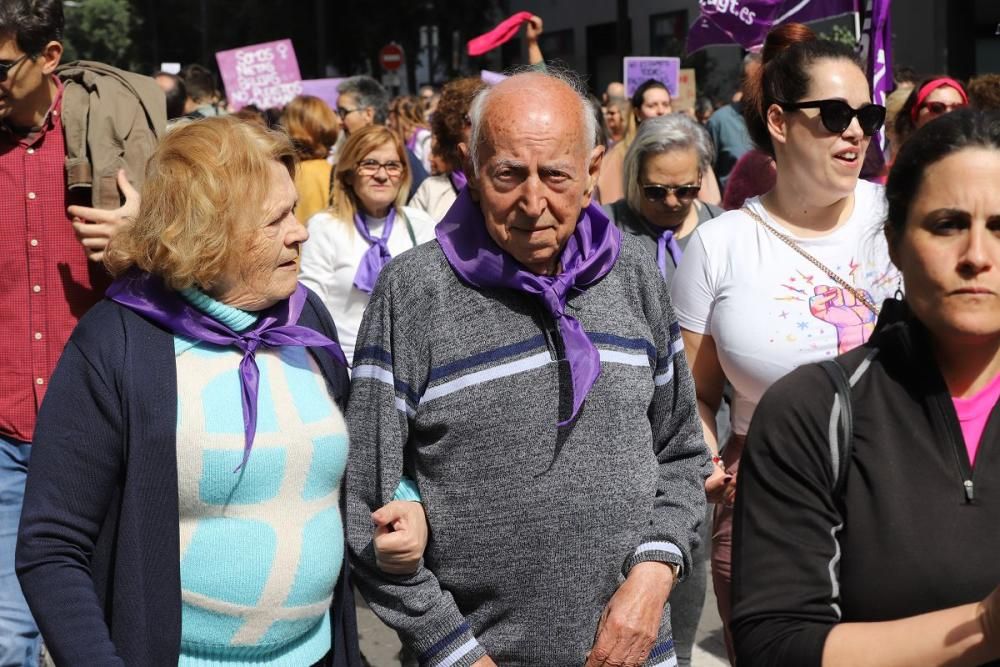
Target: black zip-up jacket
x,y
915,529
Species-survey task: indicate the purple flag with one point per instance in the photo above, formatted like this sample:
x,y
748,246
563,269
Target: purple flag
x,y
876,42
747,22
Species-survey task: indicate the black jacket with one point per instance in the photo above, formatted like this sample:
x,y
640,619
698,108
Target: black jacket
x,y
98,548
914,530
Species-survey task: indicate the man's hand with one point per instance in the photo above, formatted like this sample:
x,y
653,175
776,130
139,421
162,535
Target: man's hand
x,y
95,227
400,536
533,28
485,661
631,622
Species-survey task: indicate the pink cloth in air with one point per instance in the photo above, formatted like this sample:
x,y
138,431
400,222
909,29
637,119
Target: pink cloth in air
x,y
973,413
502,33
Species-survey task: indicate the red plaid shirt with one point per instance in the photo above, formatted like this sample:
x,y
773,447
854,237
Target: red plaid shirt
x,y
46,281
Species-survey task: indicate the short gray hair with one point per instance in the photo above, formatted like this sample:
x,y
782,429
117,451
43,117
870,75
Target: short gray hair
x,y
587,120
674,131
368,93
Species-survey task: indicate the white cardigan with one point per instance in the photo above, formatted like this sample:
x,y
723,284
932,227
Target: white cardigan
x,y
331,256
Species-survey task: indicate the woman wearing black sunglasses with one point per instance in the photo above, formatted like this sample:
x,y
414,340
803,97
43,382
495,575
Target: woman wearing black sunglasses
x,y
664,168
793,276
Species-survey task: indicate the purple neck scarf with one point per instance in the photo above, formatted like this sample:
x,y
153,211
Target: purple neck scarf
x,y
664,244
458,179
148,296
588,256
377,255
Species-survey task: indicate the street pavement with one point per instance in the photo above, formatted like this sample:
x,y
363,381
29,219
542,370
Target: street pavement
x,y
381,647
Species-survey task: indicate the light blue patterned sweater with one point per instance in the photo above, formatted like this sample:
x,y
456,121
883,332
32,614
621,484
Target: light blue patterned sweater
x,y
261,549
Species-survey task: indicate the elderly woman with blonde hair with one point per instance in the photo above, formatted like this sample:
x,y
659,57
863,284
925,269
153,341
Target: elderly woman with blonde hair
x,y
365,227
183,505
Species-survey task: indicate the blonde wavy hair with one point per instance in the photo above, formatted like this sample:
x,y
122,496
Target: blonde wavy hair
x,y
359,144
205,183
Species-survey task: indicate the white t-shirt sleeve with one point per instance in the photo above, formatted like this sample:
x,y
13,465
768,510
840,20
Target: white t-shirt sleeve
x,y
692,289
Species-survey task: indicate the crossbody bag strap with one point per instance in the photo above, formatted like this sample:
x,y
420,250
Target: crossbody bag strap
x,y
858,294
409,230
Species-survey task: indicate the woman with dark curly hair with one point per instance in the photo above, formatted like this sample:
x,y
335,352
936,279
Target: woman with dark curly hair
x,y
449,127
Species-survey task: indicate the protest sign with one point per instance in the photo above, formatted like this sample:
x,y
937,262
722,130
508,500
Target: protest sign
x,y
263,74
324,89
638,70
686,91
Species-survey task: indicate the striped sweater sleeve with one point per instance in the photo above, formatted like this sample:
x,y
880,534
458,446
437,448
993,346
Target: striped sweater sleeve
x,y
383,401
678,443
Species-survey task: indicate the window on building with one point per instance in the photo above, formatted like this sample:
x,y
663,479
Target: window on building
x,y
667,33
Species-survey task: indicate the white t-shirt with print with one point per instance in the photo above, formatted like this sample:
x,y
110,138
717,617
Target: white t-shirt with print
x,y
330,260
769,309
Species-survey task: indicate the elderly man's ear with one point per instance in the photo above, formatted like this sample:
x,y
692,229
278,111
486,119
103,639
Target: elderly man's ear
x,y
593,172
470,172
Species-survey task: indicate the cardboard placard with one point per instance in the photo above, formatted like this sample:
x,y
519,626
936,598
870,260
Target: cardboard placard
x,y
687,91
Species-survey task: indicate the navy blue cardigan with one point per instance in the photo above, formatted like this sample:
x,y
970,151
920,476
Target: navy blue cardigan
x,y
98,547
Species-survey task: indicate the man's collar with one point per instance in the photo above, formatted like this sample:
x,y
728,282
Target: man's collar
x,y
48,121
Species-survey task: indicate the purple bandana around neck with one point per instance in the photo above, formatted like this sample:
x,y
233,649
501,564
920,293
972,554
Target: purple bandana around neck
x,y
590,253
377,255
458,179
148,296
666,243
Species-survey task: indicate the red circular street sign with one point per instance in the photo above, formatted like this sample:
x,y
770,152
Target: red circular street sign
x,y
391,57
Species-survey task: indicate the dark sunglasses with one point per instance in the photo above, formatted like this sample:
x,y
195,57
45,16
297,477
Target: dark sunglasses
x,y
938,108
657,193
838,114
6,67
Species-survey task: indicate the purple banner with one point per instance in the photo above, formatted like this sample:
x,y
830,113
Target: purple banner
x,y
747,22
324,89
263,74
638,70
876,49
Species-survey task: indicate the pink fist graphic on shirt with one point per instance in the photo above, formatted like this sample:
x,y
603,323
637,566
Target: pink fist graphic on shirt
x,y
853,320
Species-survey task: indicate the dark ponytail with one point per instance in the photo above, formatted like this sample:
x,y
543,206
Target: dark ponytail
x,y
789,51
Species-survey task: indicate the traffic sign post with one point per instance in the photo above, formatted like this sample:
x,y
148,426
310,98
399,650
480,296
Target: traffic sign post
x,y
390,57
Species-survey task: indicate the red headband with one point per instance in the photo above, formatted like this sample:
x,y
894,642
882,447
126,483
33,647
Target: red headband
x,y
929,88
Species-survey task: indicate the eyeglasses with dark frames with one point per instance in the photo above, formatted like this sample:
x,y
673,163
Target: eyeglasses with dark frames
x,y
344,113
837,115
393,168
5,68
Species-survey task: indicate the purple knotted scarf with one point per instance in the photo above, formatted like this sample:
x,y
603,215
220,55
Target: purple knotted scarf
x,y
666,243
377,255
458,179
147,295
589,254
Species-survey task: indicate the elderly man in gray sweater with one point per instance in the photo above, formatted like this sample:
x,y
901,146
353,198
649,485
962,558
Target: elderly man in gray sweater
x,y
525,369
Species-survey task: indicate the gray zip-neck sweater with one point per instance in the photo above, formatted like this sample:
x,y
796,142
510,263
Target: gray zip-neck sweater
x,y
533,527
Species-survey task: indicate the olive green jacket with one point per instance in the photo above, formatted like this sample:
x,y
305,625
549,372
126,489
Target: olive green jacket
x,y
111,120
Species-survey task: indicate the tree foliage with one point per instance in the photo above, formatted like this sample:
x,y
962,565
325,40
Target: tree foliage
x,y
100,30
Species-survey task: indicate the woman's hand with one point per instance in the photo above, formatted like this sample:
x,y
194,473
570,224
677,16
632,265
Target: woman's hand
x,y
720,487
400,536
